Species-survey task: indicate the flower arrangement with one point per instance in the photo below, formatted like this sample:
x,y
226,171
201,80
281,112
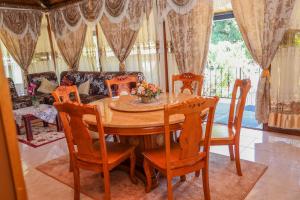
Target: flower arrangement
x,y
146,91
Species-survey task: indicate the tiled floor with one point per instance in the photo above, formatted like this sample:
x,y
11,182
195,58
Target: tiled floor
x,y
281,153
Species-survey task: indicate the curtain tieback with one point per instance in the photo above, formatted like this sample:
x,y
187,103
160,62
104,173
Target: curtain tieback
x,y
265,73
122,66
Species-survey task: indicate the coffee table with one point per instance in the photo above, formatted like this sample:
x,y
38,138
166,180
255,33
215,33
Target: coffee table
x,y
46,113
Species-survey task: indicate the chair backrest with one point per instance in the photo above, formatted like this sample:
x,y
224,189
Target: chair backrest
x,y
191,134
66,93
237,108
122,83
77,132
187,80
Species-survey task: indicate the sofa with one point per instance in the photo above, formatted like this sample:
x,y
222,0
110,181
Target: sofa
x,y
98,88
36,79
18,101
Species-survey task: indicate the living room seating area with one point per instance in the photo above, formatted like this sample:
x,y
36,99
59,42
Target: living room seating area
x,y
97,88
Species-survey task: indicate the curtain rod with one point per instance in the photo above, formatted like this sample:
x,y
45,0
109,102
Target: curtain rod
x,y
9,6
4,6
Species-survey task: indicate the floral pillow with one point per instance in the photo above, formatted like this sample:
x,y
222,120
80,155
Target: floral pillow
x,y
31,89
67,82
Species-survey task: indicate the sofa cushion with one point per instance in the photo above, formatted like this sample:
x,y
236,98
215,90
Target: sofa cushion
x,y
36,78
97,79
21,104
66,82
84,88
47,87
12,88
85,99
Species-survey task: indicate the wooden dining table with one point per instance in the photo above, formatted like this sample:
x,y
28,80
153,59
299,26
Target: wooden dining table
x,y
137,123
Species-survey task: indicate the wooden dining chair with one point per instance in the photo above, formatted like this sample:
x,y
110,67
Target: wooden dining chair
x,y
122,84
66,93
100,156
186,156
187,80
231,136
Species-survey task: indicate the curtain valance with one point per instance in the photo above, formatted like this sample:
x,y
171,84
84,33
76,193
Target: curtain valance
x,y
178,6
19,23
190,34
70,18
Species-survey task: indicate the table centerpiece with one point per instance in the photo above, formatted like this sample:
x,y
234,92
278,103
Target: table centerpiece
x,y
147,92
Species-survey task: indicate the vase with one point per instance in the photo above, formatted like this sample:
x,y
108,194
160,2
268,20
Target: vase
x,y
35,101
146,99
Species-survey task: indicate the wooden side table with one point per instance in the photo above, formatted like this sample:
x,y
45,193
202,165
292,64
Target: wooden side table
x,y
28,128
45,113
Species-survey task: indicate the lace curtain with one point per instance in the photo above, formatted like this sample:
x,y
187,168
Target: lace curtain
x,y
121,34
69,31
285,82
262,24
144,55
19,31
120,38
120,20
42,59
89,60
190,34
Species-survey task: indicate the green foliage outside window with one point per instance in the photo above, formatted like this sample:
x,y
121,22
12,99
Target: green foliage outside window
x,y
228,58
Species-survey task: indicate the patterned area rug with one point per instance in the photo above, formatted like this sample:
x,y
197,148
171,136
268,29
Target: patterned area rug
x,y
224,182
41,135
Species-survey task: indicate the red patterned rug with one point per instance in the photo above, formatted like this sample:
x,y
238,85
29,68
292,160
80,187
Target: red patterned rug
x,y
41,135
225,184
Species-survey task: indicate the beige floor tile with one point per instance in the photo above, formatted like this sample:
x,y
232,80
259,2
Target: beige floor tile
x,y
281,153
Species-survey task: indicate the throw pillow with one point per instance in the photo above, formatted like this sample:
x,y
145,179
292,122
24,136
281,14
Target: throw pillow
x,y
65,81
84,88
46,86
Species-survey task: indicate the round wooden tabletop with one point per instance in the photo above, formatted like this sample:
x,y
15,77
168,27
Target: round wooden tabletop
x,y
136,123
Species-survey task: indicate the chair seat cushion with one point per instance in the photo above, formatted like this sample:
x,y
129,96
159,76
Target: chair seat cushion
x,y
158,156
116,153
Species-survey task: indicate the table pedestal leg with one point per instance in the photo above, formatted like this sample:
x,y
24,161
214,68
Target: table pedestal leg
x,y
142,144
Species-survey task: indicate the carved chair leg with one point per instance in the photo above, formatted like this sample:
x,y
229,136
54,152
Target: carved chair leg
x,y
132,168
197,173
169,184
147,170
76,175
231,152
238,160
182,178
205,180
106,185
71,166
